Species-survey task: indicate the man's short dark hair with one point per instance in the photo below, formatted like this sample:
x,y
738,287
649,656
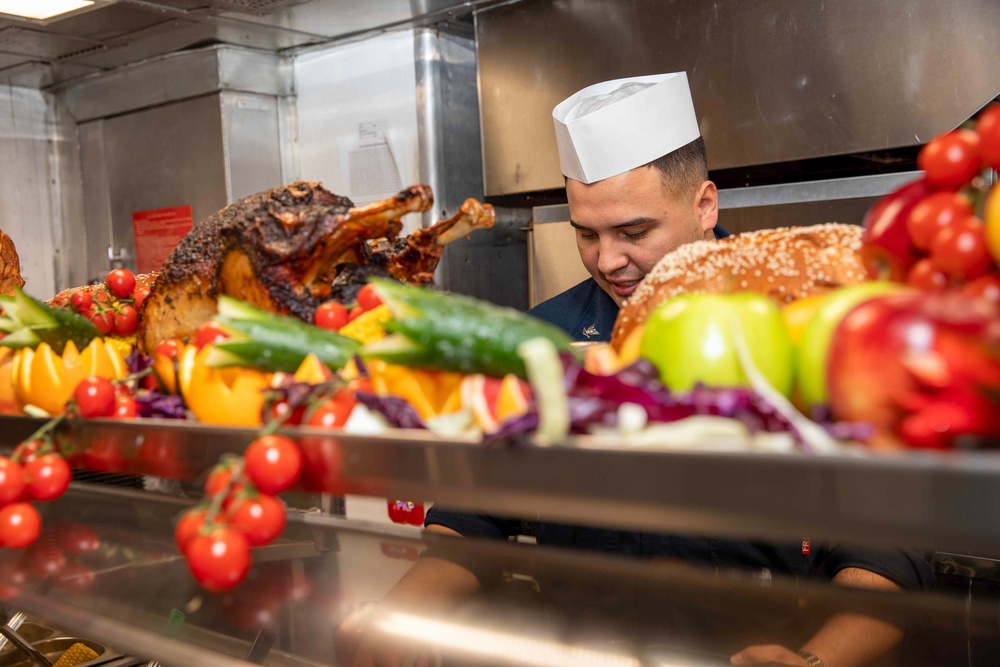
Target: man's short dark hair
x,y
685,169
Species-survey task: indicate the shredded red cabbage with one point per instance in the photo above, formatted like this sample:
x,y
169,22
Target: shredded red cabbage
x,y
397,411
163,406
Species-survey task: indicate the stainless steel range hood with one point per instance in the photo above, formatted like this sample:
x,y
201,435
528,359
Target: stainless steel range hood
x,y
773,80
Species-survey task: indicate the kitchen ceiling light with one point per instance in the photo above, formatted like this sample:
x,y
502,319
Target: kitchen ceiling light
x,y
41,9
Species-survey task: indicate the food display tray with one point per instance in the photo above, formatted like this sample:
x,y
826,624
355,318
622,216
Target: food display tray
x,y
931,500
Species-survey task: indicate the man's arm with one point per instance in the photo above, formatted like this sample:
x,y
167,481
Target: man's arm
x,y
846,640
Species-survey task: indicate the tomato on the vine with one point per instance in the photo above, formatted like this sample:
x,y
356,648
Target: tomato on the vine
x,y
988,129
217,480
11,481
188,527
81,300
330,315
333,412
951,160
139,295
934,213
261,519
121,282
273,463
283,410
209,333
95,397
220,559
368,298
47,477
126,407
927,277
125,320
170,348
103,320
20,525
960,250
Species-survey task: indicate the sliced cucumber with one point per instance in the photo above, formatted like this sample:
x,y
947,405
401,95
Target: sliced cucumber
x,y
32,322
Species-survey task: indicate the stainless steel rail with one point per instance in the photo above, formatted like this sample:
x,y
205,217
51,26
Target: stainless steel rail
x,y
940,502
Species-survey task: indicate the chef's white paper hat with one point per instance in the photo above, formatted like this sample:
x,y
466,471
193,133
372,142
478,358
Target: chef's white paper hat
x,y
612,127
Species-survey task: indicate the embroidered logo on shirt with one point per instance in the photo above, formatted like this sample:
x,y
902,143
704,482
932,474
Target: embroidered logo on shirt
x,y
591,331
806,547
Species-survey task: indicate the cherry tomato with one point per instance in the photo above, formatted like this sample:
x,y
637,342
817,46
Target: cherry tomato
x,y
81,300
139,295
217,480
355,313
208,333
988,129
330,315
170,348
121,282
125,408
934,213
219,560
103,320
20,525
368,298
188,527
951,160
273,463
960,250
261,519
125,320
27,450
333,412
926,276
95,397
47,477
11,481
281,409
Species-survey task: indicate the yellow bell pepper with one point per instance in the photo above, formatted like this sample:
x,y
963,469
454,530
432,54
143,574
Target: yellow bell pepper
x,y
46,380
229,396
8,400
367,328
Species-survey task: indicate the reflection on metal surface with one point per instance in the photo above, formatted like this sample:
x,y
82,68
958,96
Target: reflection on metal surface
x,y
772,80
501,648
579,607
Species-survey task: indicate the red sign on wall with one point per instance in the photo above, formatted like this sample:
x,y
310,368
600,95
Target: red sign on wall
x,y
157,231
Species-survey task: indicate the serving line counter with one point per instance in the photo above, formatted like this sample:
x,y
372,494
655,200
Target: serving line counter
x,y
312,596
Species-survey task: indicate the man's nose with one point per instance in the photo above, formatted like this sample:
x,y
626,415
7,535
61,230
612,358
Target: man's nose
x,y
611,258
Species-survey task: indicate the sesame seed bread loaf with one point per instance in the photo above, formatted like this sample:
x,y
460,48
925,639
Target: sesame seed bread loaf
x,y
784,264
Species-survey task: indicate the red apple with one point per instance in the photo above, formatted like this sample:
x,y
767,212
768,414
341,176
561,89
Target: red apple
x,y
922,369
886,248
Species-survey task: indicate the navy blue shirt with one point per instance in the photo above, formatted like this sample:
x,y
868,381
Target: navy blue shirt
x,y
588,313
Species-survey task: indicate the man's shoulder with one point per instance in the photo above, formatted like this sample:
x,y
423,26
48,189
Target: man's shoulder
x,y
584,311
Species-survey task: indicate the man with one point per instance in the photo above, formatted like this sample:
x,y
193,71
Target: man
x,y
636,182
637,186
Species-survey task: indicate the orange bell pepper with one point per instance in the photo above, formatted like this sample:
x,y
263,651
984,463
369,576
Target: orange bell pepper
x,y
46,380
8,400
229,396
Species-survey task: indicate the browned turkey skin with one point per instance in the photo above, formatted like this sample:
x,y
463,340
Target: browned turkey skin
x,y
278,250
411,259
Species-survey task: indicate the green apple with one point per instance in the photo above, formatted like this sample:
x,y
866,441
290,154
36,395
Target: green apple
x,y
812,351
691,338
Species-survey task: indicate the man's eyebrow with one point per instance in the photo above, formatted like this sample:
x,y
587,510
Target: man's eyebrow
x,y
634,222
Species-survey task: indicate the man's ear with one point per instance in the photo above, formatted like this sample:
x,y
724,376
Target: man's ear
x,y
706,204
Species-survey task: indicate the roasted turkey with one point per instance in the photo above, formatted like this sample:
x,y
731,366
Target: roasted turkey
x,y
10,266
282,250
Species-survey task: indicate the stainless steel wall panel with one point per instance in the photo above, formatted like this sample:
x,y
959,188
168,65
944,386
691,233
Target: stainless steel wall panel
x,y
97,205
173,77
773,80
251,143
